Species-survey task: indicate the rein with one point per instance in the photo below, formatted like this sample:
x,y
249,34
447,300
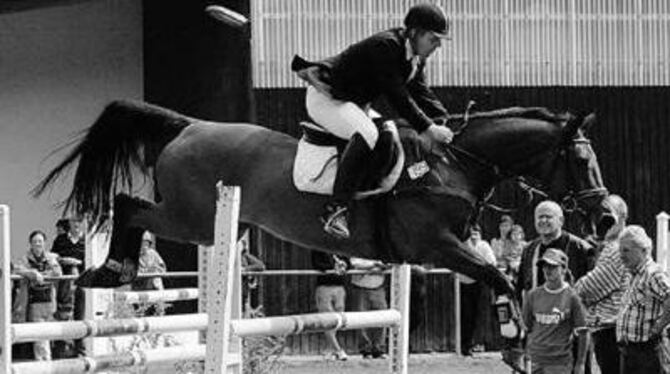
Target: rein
x,y
570,202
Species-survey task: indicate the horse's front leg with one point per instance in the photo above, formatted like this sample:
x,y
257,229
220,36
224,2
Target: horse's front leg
x,y
457,256
121,264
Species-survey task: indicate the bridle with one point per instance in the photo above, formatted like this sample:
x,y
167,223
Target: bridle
x,y
572,201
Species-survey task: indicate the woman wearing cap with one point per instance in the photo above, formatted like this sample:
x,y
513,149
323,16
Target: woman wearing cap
x,y
341,89
553,314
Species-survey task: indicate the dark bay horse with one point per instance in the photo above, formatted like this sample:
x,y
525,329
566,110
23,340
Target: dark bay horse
x,y
422,220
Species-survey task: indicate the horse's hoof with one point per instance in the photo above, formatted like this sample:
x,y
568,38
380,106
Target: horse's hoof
x,y
100,277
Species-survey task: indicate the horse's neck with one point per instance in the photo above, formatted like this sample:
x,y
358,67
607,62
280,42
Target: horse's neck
x,y
499,148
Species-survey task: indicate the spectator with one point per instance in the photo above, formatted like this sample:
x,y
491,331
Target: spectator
x,y
70,300
498,244
513,249
601,290
38,264
369,293
330,293
549,226
552,313
471,292
149,262
249,283
70,247
645,306
62,229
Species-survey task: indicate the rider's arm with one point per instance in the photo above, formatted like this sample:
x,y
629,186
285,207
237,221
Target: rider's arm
x,y
394,86
426,98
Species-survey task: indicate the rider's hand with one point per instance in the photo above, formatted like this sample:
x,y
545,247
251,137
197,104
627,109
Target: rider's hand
x,y
435,134
312,75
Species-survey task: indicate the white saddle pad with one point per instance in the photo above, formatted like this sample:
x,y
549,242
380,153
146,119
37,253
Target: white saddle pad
x,y
315,168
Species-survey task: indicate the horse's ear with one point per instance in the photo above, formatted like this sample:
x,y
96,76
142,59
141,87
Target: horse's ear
x,y
589,121
570,129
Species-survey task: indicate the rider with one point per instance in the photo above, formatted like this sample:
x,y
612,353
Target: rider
x,y
341,89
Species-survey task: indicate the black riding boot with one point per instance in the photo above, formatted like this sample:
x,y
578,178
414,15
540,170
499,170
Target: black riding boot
x,y
350,172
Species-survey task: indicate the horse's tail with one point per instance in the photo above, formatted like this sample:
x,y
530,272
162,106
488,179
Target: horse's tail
x,y
127,134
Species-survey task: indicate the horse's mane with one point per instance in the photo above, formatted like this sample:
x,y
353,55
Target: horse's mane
x,y
538,113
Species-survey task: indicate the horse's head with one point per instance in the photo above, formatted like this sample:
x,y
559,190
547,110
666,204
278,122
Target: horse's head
x,y
549,148
575,178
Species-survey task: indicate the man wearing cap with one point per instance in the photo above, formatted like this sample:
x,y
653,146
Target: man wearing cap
x,y
553,314
341,89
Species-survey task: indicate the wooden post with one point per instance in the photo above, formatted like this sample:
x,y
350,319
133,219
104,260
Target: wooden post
x,y
662,245
5,292
399,335
223,350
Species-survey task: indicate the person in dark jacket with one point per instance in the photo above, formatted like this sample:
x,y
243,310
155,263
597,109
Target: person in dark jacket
x,y
341,89
549,226
70,247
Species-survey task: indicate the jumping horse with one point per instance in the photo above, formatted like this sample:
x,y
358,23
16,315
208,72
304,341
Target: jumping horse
x,y
423,219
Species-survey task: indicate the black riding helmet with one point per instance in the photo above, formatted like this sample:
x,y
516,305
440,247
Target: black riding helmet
x,y
428,17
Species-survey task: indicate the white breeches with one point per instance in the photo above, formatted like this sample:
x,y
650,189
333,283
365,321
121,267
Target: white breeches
x,y
341,118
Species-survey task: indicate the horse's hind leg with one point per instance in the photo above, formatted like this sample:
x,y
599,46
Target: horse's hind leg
x,y
121,264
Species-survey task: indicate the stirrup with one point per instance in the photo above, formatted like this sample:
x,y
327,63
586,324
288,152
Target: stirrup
x,y
335,222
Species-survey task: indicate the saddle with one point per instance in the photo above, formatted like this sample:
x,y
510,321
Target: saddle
x,y
317,158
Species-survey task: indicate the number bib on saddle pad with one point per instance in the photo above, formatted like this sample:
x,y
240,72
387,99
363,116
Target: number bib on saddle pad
x,y
316,162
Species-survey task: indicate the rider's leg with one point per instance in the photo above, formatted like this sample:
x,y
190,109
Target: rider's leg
x,y
348,121
350,174
341,118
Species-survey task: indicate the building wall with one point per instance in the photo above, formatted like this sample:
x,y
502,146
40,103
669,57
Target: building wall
x,y
59,66
494,43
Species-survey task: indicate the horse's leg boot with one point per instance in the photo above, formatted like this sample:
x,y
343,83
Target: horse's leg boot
x,y
121,264
350,172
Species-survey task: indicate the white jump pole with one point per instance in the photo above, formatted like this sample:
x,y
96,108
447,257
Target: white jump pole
x,y
5,292
662,244
399,334
457,313
223,263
